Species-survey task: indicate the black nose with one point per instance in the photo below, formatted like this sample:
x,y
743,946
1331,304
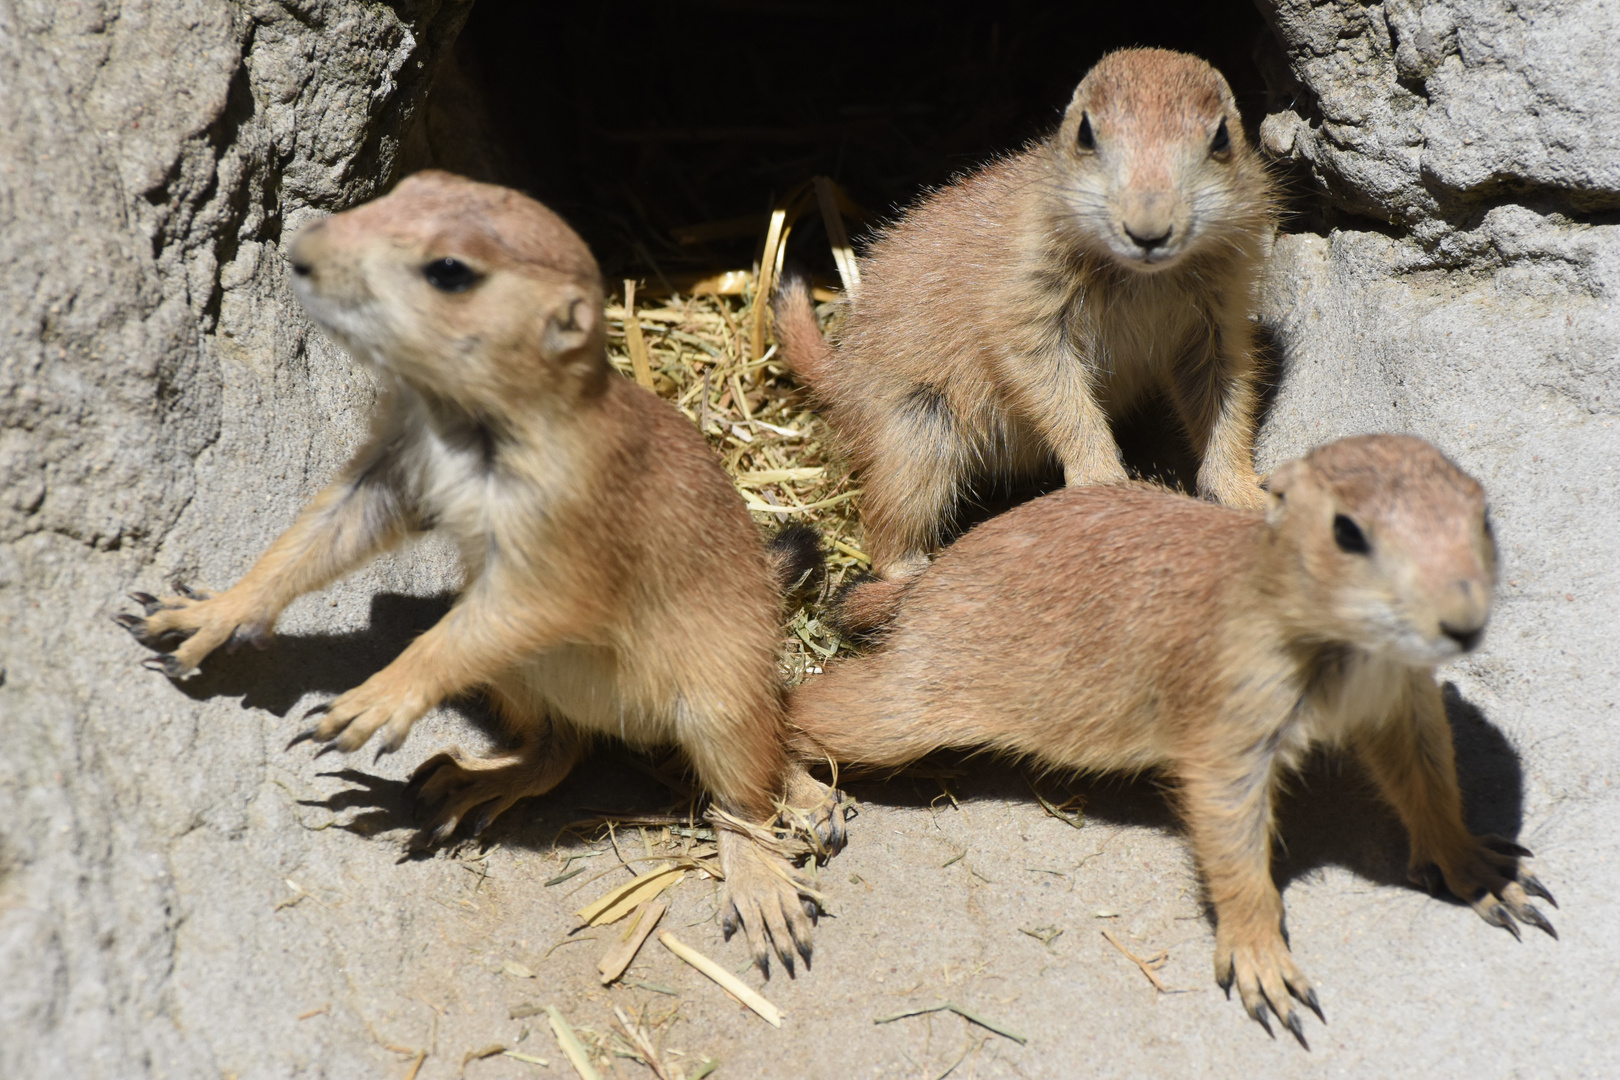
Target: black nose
x,y
1148,243
1468,639
302,269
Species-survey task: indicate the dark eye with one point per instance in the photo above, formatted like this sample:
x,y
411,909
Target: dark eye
x,y
1085,140
1222,142
450,275
1348,535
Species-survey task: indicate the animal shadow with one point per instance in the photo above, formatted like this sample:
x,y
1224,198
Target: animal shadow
x,y
1333,815
1330,814
613,782
292,666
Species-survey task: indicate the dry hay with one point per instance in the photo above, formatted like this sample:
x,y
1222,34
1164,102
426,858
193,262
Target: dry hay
x,y
708,352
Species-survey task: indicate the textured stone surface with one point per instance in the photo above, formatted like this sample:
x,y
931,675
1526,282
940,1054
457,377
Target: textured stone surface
x,y
1423,114
181,897
162,409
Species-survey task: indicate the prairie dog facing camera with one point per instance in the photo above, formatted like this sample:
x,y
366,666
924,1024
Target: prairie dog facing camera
x,y
615,584
1127,628
1006,318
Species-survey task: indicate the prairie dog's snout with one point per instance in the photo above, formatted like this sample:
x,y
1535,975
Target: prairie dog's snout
x,y
1149,148
1397,541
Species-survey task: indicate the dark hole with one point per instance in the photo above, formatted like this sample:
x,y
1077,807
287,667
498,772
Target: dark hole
x,y
636,119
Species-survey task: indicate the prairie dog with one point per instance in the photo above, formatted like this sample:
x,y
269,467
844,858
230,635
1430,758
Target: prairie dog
x,y
615,584
1128,628
1005,318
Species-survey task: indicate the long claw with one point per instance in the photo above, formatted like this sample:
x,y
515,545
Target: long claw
x,y
166,665
1533,887
1293,1023
329,748
317,710
1313,1004
1259,1015
186,591
1497,915
307,735
129,622
1538,920
730,923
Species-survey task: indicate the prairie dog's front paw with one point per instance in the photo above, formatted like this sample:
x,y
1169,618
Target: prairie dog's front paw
x,y
190,624
1241,490
1265,973
354,717
1488,877
1095,469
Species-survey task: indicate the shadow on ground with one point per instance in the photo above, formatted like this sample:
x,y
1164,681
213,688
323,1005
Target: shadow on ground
x,y
613,781
1330,815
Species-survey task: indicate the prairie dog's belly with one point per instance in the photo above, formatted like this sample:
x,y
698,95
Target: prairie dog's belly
x,y
586,685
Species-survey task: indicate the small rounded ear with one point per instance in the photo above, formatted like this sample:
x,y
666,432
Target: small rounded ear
x,y
572,323
1277,484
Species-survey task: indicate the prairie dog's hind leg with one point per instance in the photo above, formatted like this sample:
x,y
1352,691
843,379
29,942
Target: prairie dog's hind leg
x,y
912,481
762,895
450,785
815,811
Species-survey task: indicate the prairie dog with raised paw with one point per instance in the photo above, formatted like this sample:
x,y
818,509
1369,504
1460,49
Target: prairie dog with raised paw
x,y
1128,628
1006,318
615,584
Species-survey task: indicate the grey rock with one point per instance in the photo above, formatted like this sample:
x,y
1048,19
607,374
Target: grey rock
x,y
1423,114
162,407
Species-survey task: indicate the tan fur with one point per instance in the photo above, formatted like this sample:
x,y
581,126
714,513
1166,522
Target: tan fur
x,y
1127,628
1008,317
614,583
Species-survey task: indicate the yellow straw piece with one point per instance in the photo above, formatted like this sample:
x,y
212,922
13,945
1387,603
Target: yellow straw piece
x,y
618,902
578,1056
728,982
633,339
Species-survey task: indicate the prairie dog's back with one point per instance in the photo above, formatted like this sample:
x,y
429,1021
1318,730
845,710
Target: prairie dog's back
x,y
1069,623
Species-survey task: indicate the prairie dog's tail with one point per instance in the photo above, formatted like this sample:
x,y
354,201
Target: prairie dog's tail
x,y
867,605
795,559
849,715
803,348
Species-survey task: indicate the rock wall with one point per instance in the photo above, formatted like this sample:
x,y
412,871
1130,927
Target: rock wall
x,y
1427,114
163,409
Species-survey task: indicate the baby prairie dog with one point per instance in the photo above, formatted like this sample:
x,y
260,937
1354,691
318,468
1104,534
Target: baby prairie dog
x,y
1007,317
1127,628
615,584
